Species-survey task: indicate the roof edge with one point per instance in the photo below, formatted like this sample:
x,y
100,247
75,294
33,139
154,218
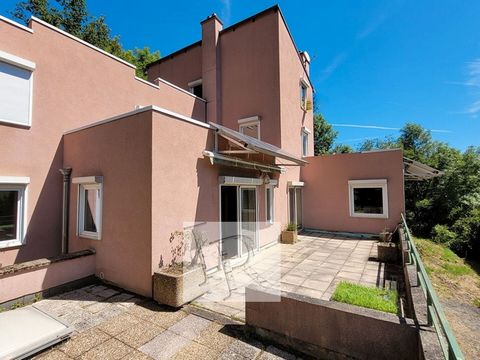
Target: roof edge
x,y
152,108
83,42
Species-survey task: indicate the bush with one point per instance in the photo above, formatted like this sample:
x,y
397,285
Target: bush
x,y
291,227
442,235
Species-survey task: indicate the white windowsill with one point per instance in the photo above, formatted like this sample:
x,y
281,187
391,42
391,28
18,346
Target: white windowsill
x,y
5,244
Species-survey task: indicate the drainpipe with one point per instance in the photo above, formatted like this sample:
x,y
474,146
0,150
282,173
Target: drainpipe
x,y
66,204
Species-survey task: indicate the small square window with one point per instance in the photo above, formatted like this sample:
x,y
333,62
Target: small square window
x,y
12,214
251,129
89,214
196,88
368,198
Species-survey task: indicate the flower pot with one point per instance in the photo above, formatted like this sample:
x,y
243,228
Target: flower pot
x,y
289,237
387,252
176,287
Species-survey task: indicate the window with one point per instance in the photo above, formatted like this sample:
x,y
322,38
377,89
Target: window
x,y
250,126
269,204
196,88
89,212
12,211
303,95
305,133
368,198
295,207
16,81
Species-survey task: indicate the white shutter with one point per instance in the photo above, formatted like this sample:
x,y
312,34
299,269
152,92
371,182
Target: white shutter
x,y
15,94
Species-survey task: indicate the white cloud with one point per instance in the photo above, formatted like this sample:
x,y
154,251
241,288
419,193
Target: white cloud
x,y
333,65
378,127
371,26
226,11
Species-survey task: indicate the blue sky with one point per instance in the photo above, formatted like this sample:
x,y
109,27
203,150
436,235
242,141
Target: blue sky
x,y
375,64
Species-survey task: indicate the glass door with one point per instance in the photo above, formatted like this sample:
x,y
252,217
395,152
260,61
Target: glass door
x,y
295,206
248,219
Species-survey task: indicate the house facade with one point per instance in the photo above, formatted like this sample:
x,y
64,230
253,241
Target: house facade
x,y
220,134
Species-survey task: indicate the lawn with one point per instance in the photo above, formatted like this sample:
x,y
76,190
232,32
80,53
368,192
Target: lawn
x,y
452,276
365,296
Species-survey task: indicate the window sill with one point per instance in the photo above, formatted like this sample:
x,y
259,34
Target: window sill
x,y
15,123
369,216
90,236
5,244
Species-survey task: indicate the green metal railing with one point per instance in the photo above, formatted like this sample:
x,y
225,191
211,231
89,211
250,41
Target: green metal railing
x,y
436,316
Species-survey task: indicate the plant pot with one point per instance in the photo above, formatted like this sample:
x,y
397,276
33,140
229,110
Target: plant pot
x,y
289,237
178,287
385,236
387,252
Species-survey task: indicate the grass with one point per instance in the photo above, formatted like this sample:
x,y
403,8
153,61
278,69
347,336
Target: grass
x,y
368,297
451,275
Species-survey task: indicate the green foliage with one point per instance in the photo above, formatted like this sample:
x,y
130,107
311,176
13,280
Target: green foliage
x,y
291,227
73,17
451,200
441,235
368,297
16,305
324,137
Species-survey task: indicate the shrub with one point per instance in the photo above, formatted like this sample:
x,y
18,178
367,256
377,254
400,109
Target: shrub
x,y
442,235
291,227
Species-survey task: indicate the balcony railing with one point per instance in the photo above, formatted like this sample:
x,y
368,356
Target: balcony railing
x,y
436,316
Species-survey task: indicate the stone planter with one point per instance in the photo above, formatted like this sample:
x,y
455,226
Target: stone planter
x,y
289,237
387,252
178,287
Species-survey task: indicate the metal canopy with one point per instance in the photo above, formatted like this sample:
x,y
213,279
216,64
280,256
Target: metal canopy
x,y
416,171
219,159
249,144
28,330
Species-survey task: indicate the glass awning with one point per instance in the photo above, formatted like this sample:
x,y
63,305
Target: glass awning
x,y
252,144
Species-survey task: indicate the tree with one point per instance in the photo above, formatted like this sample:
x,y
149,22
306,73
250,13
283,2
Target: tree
x,y
446,207
323,135
73,17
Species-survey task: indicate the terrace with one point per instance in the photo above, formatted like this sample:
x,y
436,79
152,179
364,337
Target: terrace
x,y
312,267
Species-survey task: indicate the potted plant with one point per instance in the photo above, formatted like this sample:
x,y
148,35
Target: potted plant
x,y
182,280
386,249
289,235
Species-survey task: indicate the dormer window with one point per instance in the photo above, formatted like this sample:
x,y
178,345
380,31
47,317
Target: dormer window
x,y
196,88
250,126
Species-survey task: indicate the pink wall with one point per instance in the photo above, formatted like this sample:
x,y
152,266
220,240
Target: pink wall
x,y
325,196
31,281
121,152
181,68
74,85
184,183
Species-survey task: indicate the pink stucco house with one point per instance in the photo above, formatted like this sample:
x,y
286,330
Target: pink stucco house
x,y
222,132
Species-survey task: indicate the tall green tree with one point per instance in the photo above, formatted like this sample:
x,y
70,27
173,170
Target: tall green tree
x,y
446,208
73,17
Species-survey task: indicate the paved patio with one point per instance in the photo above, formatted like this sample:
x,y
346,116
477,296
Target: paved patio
x,y
112,324
313,267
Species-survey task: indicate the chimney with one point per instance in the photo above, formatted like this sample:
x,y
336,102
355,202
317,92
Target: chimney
x,y
211,28
305,60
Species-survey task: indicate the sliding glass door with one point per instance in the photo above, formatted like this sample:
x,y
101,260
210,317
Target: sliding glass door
x,y
248,218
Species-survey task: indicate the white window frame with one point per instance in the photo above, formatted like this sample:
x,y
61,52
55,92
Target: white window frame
x,y
270,188
19,184
25,65
89,183
303,101
305,134
246,122
371,183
